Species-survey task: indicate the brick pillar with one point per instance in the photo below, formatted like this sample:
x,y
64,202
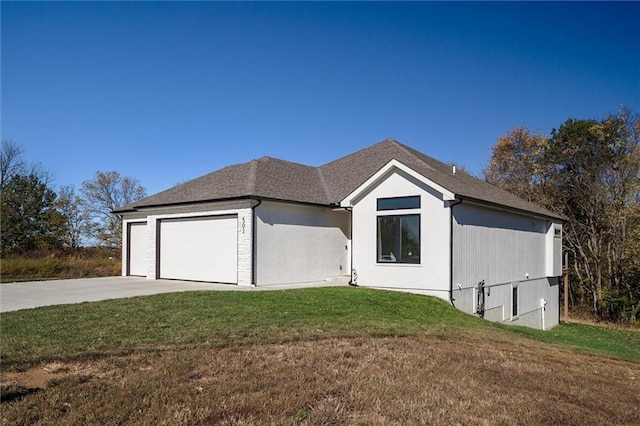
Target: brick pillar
x,y
245,246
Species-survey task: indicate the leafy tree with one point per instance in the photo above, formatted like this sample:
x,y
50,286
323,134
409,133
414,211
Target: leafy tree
x,y
106,192
516,164
28,216
588,171
596,179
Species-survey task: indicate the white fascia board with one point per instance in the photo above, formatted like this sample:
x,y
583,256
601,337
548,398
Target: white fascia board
x,y
384,171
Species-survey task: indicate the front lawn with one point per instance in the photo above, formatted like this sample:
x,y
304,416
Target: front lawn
x,y
217,319
315,356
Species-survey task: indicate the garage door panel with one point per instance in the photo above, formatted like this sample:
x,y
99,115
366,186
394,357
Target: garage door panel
x,y
137,242
199,249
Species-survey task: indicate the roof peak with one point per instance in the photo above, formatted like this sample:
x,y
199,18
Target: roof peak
x,y
266,159
251,179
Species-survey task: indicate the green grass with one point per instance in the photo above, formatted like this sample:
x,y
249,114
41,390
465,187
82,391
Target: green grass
x,y
614,342
217,319
214,319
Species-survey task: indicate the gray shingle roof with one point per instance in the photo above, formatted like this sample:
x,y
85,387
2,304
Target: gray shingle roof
x,y
270,178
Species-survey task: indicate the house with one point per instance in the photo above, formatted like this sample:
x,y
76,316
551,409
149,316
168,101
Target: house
x,y
386,217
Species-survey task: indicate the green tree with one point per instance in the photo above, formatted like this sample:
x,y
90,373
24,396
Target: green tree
x,y
595,170
588,171
106,192
28,216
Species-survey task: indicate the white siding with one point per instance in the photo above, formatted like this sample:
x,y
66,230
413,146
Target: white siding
x,y
504,249
297,243
554,249
431,276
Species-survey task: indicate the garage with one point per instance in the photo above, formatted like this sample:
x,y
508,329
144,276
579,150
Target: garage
x,y
199,249
137,241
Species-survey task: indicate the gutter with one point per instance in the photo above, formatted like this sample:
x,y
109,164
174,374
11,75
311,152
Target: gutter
x,y
451,206
503,207
139,208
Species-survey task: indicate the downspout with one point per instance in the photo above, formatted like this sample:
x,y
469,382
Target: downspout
x,y
352,282
254,231
451,206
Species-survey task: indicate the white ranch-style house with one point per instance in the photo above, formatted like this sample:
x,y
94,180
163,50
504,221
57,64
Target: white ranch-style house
x,y
385,217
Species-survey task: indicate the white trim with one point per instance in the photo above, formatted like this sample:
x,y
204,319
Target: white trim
x,y
384,171
208,213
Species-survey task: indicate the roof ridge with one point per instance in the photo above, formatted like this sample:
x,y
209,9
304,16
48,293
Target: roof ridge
x,y
408,150
269,158
324,185
251,180
366,148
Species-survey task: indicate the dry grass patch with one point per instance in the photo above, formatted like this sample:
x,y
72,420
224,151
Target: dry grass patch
x,y
60,267
456,378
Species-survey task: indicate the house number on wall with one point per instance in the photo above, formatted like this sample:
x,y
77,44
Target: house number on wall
x,y
243,225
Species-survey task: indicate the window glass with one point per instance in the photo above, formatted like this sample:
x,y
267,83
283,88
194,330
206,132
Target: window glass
x,y
514,302
387,232
399,203
398,239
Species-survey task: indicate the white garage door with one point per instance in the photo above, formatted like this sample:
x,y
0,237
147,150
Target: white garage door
x,y
200,249
137,241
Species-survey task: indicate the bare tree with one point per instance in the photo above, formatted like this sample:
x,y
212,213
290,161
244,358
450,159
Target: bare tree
x,y
106,192
11,162
77,218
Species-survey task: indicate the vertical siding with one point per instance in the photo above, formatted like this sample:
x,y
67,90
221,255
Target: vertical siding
x,y
504,249
496,246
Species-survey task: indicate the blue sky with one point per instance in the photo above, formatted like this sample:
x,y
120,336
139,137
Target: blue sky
x,y
168,91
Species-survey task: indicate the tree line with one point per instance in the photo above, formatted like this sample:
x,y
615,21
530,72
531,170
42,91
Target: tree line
x,y
33,216
586,170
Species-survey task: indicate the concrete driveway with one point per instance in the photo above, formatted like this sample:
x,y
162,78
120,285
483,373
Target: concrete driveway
x,y
26,295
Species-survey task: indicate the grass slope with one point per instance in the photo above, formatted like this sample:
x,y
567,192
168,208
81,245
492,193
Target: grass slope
x,y
215,319
314,356
608,341
218,319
